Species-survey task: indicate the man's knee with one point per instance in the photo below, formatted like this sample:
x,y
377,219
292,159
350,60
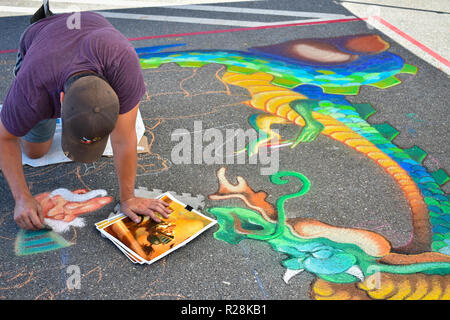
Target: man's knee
x,y
37,142
36,150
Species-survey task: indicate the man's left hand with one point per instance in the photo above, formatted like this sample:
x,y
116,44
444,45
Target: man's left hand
x,y
136,206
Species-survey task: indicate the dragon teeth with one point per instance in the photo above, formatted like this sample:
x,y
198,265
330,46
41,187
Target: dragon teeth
x,y
290,274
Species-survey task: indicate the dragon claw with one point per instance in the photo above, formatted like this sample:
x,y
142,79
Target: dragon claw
x,y
308,134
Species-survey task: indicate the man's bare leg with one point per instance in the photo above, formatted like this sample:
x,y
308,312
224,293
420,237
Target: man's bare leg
x,y
36,150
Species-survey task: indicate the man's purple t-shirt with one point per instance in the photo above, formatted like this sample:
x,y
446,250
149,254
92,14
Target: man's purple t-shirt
x,y
52,53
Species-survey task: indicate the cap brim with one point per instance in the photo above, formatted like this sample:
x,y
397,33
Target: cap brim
x,y
77,151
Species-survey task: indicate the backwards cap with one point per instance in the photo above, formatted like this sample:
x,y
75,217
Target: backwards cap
x,y
89,114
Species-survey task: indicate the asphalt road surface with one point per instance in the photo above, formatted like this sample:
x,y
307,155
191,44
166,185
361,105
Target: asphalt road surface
x,y
347,189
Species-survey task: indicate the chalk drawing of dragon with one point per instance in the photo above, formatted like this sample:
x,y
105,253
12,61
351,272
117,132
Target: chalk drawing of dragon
x,y
304,82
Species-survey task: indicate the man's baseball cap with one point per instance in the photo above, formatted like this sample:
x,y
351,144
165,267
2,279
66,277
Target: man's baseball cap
x,y
89,113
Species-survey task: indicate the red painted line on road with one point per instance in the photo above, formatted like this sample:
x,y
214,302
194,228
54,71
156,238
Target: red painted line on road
x,y
230,30
188,34
413,41
381,20
8,51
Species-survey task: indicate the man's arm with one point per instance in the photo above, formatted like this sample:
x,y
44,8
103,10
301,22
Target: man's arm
x,y
124,144
28,213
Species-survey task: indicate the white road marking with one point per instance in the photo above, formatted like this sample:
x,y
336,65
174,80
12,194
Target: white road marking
x,y
18,9
285,13
306,21
107,4
134,4
234,23
148,17
194,20
177,4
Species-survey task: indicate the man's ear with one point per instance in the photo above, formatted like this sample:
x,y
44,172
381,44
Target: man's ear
x,y
61,97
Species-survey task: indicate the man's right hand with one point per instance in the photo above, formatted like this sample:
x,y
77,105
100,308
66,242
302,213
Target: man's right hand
x,y
28,213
